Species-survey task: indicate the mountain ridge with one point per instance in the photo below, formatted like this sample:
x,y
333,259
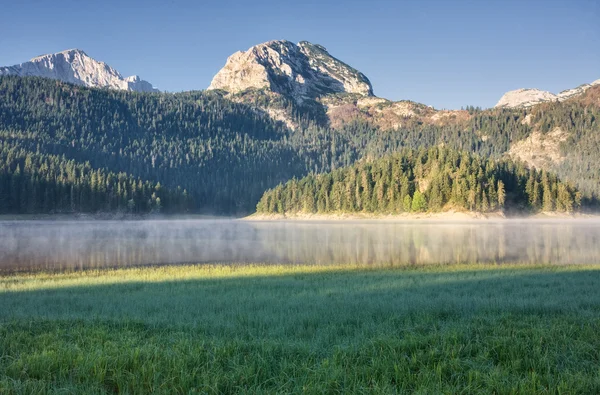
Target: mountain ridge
x,y
77,67
301,72
528,97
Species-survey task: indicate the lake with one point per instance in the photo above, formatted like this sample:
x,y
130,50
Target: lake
x,y
75,245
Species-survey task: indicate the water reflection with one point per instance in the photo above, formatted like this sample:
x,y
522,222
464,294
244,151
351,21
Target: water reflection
x,y
75,245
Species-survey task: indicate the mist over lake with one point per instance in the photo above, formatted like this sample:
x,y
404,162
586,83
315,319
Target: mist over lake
x,y
78,245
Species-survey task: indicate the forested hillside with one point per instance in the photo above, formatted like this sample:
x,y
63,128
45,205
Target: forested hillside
x,y
200,152
224,155
433,180
34,183
580,120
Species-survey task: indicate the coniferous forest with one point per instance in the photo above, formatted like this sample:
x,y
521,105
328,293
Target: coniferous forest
x,y
66,149
433,179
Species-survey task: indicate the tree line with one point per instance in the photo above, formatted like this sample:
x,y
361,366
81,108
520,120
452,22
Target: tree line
x,y
433,180
33,184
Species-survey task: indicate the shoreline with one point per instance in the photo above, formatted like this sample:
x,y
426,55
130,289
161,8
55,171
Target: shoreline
x,y
447,216
450,216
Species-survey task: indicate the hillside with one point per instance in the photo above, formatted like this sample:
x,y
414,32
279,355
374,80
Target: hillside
x,y
35,182
217,151
222,153
519,127
425,180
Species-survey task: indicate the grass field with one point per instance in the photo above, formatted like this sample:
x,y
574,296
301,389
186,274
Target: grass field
x,y
261,329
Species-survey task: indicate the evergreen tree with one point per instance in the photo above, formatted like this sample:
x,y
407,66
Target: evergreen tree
x,y
469,184
501,194
419,204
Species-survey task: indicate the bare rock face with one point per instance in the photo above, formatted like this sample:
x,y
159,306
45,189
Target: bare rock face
x,y
580,90
523,98
305,72
540,150
300,71
76,67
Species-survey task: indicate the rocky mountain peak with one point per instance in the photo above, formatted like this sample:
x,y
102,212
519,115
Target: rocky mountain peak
x,y
300,71
523,98
67,53
76,67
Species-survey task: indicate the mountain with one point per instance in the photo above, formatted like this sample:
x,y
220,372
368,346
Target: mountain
x,y
76,67
523,98
303,81
202,152
299,71
275,112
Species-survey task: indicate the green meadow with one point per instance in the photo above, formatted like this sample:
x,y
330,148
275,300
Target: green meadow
x,y
302,329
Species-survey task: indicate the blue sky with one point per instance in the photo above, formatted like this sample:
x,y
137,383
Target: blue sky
x,y
443,53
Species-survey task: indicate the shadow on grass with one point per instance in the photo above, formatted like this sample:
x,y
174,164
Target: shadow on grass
x,y
507,330
274,305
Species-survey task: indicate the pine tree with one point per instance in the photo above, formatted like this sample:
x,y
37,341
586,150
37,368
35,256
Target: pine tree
x,y
407,204
419,204
501,194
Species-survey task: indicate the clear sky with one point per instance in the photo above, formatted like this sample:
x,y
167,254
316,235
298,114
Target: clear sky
x,y
443,53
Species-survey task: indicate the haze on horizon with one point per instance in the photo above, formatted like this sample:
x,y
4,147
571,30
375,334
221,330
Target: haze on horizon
x,y
444,54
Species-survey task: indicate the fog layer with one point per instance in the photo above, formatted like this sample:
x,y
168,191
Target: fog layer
x,y
75,245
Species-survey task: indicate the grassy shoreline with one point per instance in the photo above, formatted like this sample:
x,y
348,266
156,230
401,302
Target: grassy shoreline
x,y
298,329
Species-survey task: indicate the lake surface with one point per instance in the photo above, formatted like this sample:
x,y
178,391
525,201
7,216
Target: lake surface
x,y
77,245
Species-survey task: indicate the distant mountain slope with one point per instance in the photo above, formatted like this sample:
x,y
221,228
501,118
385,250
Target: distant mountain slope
x,y
76,67
523,98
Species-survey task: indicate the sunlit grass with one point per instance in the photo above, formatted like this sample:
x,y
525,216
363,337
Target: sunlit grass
x,y
258,328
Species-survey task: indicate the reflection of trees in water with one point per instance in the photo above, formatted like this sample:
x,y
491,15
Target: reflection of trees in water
x,y
79,245
401,244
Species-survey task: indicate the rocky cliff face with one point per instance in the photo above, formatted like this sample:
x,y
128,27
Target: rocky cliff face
x,y
268,75
76,67
523,98
299,71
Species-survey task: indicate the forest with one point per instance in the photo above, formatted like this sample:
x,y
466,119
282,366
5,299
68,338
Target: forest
x,y
32,183
67,148
195,152
434,179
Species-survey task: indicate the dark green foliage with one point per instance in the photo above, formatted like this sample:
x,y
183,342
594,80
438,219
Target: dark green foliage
x,y
582,146
226,154
433,179
35,183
